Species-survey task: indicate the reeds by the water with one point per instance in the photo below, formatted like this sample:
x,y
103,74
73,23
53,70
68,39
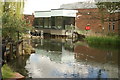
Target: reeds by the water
x,y
104,40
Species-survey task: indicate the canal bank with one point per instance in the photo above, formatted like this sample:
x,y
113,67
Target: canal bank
x,y
103,40
15,54
73,57
8,73
66,60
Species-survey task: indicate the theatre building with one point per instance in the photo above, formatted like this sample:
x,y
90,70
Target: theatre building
x,y
55,21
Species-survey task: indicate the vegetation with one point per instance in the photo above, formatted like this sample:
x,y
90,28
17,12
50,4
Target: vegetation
x,y
7,72
104,40
13,24
0,18
111,7
108,8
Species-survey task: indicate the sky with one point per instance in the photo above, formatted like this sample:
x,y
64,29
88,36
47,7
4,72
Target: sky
x,y
42,5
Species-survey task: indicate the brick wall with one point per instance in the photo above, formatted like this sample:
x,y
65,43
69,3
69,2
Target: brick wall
x,y
92,17
29,19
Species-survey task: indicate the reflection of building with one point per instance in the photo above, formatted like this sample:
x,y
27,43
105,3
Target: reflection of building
x,y
83,58
55,50
97,55
105,60
55,21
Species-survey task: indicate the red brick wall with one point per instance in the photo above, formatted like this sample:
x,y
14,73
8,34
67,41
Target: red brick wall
x,y
92,17
29,19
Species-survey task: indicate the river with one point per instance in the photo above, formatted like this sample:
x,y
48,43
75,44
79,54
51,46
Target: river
x,y
60,58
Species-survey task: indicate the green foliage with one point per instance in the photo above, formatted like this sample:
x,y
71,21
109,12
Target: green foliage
x,y
12,24
12,21
103,40
109,6
7,72
13,8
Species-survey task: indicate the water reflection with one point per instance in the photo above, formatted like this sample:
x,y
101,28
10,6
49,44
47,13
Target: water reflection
x,y
64,59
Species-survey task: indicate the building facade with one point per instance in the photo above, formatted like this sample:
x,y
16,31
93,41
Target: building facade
x,y
80,15
98,23
54,22
29,19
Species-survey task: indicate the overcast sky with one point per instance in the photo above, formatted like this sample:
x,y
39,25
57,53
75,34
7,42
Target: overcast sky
x,y
42,5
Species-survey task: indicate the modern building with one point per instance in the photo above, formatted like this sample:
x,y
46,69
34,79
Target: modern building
x,y
89,15
75,15
55,21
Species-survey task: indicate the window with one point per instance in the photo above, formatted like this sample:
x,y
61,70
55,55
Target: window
x,y
109,26
113,26
46,22
53,21
59,22
38,22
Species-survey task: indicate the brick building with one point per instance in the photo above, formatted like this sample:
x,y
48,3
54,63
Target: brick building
x,y
92,17
29,19
89,15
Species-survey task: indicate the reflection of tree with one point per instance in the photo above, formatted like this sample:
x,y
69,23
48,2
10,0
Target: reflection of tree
x,y
18,64
108,8
50,45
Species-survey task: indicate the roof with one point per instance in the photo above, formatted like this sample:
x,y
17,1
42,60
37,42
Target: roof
x,y
78,5
56,12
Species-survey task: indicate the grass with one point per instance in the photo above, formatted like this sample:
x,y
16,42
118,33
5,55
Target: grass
x,y
104,40
7,72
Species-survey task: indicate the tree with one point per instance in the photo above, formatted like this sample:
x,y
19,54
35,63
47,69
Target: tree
x,y
12,20
111,7
108,8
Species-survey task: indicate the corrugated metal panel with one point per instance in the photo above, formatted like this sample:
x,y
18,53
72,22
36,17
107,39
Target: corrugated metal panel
x,y
42,14
70,13
67,13
56,12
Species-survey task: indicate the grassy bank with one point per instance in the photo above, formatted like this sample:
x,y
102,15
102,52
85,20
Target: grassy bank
x,y
103,40
7,72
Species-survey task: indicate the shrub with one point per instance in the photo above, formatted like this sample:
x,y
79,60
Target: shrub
x,y
7,72
115,40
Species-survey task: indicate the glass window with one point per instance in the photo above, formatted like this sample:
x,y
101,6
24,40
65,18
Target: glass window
x,y
68,22
38,22
41,22
49,22
59,23
109,26
113,26
46,22
52,21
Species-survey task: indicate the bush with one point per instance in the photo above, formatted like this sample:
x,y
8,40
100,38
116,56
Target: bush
x,y
115,40
7,72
